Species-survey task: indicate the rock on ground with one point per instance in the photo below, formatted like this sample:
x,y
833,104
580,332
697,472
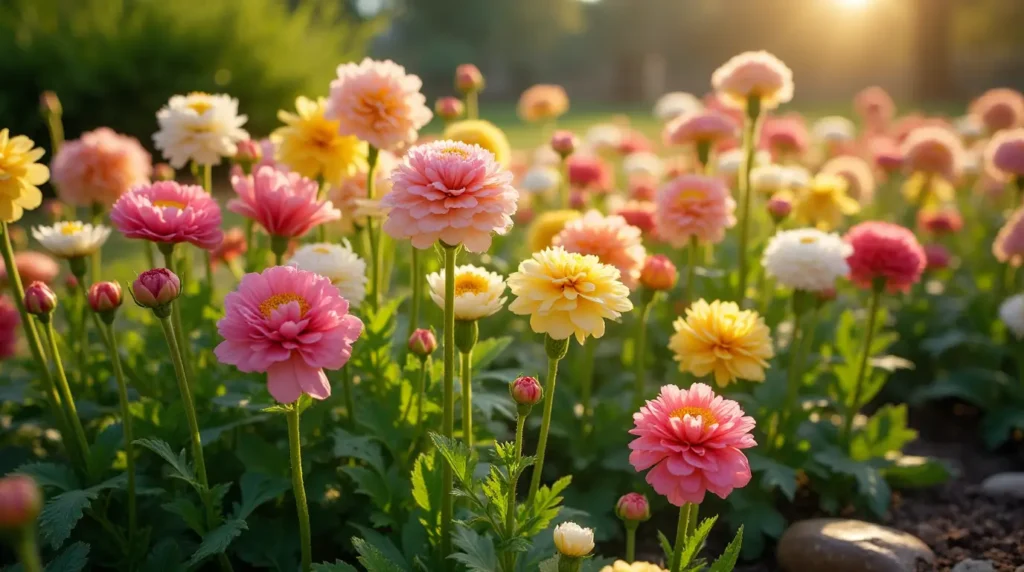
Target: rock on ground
x,y
844,545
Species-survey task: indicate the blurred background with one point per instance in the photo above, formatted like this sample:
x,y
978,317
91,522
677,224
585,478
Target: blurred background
x,y
115,62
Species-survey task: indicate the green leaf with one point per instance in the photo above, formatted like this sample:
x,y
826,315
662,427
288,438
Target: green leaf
x,y
884,432
370,484
337,566
549,565
104,450
727,561
913,471
695,541
545,507
180,467
50,475
459,457
71,559
363,448
426,482
188,511
774,474
212,434
165,557
486,351
871,487
61,513
217,540
666,546
758,517
997,425
372,559
257,489
383,545
476,551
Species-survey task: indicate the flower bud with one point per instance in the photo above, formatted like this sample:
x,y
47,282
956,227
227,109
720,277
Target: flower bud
x,y
526,390
573,540
658,273
49,104
936,256
422,342
20,502
104,297
779,207
156,289
247,154
71,283
163,172
40,299
633,507
564,142
54,210
468,78
449,108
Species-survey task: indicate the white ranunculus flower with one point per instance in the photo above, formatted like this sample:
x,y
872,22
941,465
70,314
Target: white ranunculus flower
x,y
71,239
643,163
338,263
807,259
1011,312
675,104
573,540
603,138
769,179
540,180
199,127
478,292
798,177
834,129
728,163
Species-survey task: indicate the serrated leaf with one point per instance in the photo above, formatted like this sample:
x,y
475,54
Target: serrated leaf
x,y
458,455
61,513
372,559
217,540
72,559
188,511
695,541
180,467
871,487
774,474
383,545
337,566
476,551
165,557
257,489
727,561
358,447
369,483
884,432
52,475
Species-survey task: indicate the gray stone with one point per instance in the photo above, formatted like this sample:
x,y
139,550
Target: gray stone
x,y
970,565
1004,484
843,545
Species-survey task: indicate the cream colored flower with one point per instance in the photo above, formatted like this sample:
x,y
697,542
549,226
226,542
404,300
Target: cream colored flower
x,y
834,129
338,263
540,180
603,138
478,292
643,164
807,259
675,104
573,540
71,239
623,566
769,179
199,127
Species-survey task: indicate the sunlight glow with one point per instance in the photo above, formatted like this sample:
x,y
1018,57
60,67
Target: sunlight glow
x,y
853,4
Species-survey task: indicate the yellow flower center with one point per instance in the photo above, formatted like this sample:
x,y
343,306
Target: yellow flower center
x,y
171,204
201,104
808,239
470,284
707,417
321,250
277,300
453,150
69,228
690,195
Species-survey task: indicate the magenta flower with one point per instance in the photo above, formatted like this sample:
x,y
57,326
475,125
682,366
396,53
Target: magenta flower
x,y
284,204
167,212
291,324
693,439
9,322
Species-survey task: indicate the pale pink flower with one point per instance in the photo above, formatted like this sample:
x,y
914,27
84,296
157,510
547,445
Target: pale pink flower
x,y
1009,244
32,266
860,178
694,206
610,238
379,103
284,204
1005,152
1000,108
166,212
450,191
9,322
754,74
99,167
875,107
705,126
291,324
933,150
693,439
785,136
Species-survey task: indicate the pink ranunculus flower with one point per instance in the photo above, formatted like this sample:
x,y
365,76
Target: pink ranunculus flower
x,y
694,205
1005,152
754,74
1009,243
705,126
9,322
933,150
99,167
166,212
937,256
637,213
875,107
291,324
1000,108
610,238
786,136
857,173
589,172
378,102
693,439
887,252
284,204
32,267
450,191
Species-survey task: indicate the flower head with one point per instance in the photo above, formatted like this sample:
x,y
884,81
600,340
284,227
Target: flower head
x,y
99,167
940,221
770,179
156,288
703,126
1009,243
568,294
199,127
339,264
806,259
543,102
610,238
540,180
1005,152
933,150
20,176
32,266
10,320
834,129
40,300
638,213
633,507
167,212
231,247
936,256
825,203
1011,312
291,324
785,136
573,540
449,108
623,566
886,154
603,138
886,253
478,292
71,239
692,440
589,172
860,180
719,338
311,145
284,204
545,227
378,102
674,104
484,134
21,500
754,74
450,191
643,164
694,206
999,109
658,273
564,142
104,297
875,107
526,390
422,342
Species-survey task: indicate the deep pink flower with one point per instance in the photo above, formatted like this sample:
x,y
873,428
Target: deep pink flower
x,y
937,256
638,213
940,221
884,251
156,288
1009,244
40,300
785,136
32,267
590,173
526,390
705,126
693,439
1005,152
610,238
291,324
100,167
9,322
20,502
999,109
694,205
284,204
450,191
169,213
468,78
633,507
104,296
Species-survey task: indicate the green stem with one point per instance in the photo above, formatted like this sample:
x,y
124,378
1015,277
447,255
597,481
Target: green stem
x,y
563,185
681,527
65,390
749,148
640,351
793,378
845,435
97,256
691,271
416,278
511,556
448,418
79,327
373,232
179,329
631,527
107,333
299,489
691,521
28,551
346,389
472,104
587,382
467,397
545,424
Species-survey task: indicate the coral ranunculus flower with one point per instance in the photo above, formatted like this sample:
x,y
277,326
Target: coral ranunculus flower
x,y
450,191
694,206
20,176
166,212
32,266
543,102
933,150
482,133
310,144
887,253
1009,243
379,103
291,324
1000,108
693,439
754,74
199,127
703,126
284,204
825,203
99,167
568,294
542,231
610,238
623,566
720,338
10,319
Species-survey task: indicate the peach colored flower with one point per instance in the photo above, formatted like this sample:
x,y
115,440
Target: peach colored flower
x,y
785,136
857,172
231,247
935,151
754,74
32,267
543,102
694,206
378,102
1009,244
887,252
1000,108
875,107
166,212
284,204
941,220
450,191
350,196
705,126
610,238
99,167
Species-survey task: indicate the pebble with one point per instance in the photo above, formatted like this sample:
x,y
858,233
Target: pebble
x,y
970,565
1004,484
844,545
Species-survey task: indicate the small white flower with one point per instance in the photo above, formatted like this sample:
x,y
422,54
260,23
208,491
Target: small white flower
x,y
478,292
675,104
643,163
71,239
769,179
807,259
604,138
1011,312
728,163
338,263
199,127
834,129
573,540
969,126
540,180
798,177
545,156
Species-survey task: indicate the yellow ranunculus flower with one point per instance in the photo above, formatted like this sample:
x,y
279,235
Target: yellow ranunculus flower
x,y
484,134
20,176
623,566
720,338
310,145
825,202
546,227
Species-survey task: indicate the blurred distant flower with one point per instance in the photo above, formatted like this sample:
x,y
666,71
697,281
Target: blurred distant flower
x,y
825,203
468,78
99,167
71,239
785,136
633,141
720,339
163,172
643,163
284,204
941,220
311,145
483,133
933,151
806,259
564,142
20,176
543,102
860,178
1011,312
339,264
1005,152
699,127
478,292
10,320
546,226
540,180
754,74
1000,108
345,195
610,238
1009,244
674,104
232,246
694,206
166,212
449,108
728,162
886,154
603,138
199,127
637,213
658,273
21,501
936,256
589,173
769,179
884,252
875,107
780,206
32,266
834,129
969,127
